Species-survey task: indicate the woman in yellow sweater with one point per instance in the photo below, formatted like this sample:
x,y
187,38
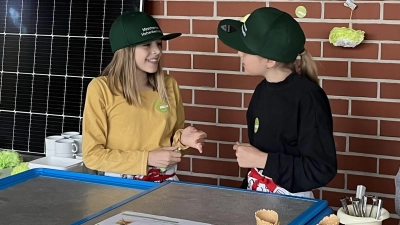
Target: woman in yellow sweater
x,y
134,118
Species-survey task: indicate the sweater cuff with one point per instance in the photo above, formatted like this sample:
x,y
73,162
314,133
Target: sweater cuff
x,y
177,140
271,166
144,164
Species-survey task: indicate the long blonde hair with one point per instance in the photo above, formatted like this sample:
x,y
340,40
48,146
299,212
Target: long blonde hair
x,y
121,73
305,66
308,67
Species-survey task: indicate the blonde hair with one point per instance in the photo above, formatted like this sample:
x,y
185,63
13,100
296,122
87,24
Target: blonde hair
x,y
308,67
121,73
305,66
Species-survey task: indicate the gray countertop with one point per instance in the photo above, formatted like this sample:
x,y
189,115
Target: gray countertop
x,y
216,206
44,200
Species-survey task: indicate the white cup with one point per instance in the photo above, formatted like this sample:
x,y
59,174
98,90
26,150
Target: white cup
x,y
69,134
66,148
79,156
78,142
50,142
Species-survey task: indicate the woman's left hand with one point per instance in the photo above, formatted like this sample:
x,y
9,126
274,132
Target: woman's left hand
x,y
249,156
193,138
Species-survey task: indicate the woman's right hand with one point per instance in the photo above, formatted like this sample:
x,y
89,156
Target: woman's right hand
x,y
163,157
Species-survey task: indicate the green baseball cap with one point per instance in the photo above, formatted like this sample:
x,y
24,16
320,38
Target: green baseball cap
x,y
267,32
134,28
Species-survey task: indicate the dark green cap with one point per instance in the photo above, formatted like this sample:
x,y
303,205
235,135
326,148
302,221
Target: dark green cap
x,y
134,28
267,32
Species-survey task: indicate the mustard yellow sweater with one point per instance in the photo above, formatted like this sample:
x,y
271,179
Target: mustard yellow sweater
x,y
117,137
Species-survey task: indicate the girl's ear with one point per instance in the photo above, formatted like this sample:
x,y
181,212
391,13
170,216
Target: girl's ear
x,y
270,63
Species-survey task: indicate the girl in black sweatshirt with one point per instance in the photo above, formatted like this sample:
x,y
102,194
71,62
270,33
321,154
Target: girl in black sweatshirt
x,y
291,149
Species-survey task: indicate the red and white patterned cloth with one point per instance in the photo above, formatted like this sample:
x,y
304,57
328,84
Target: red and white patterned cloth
x,y
258,182
154,174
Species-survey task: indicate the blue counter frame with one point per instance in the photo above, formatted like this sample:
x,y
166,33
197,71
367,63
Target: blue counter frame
x,y
304,218
68,175
311,216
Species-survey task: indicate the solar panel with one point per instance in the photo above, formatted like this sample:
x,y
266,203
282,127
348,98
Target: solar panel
x,y
50,50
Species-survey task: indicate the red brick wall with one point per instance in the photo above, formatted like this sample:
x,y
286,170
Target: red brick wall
x,y
363,85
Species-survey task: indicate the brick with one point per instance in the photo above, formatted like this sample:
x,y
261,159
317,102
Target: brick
x,y
340,143
174,25
244,172
314,48
219,133
197,44
200,114
319,30
364,164
363,11
390,90
186,95
184,164
355,126
391,221
230,183
374,146
375,109
390,128
337,181
209,150
379,31
155,7
389,166
390,51
222,48
313,8
379,185
196,79
389,205
209,62
200,180
339,106
205,26
350,88
215,167
391,11
186,8
364,51
237,9
172,60
375,70
333,198
218,98
316,193
226,151
238,81
332,68
232,116
247,98
245,136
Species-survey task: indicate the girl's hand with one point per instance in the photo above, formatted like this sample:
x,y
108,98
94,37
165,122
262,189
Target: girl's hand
x,y
164,157
193,138
249,156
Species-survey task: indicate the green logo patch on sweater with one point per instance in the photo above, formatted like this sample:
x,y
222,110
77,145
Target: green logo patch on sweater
x,y
161,106
256,125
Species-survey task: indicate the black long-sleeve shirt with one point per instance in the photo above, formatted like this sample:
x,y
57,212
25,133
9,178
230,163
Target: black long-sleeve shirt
x,y
295,128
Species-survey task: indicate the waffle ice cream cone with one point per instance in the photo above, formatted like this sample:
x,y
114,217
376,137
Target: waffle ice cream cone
x,y
266,217
330,220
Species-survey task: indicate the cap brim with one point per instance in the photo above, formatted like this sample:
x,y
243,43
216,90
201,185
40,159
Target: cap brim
x,y
170,36
229,33
161,37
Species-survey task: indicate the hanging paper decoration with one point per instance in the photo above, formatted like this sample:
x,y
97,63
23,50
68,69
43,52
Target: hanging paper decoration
x,y
346,36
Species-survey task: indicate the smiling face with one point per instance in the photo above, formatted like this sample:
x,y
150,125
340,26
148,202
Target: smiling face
x,y
147,56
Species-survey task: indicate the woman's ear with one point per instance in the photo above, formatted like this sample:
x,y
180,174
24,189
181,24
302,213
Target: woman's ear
x,y
270,63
